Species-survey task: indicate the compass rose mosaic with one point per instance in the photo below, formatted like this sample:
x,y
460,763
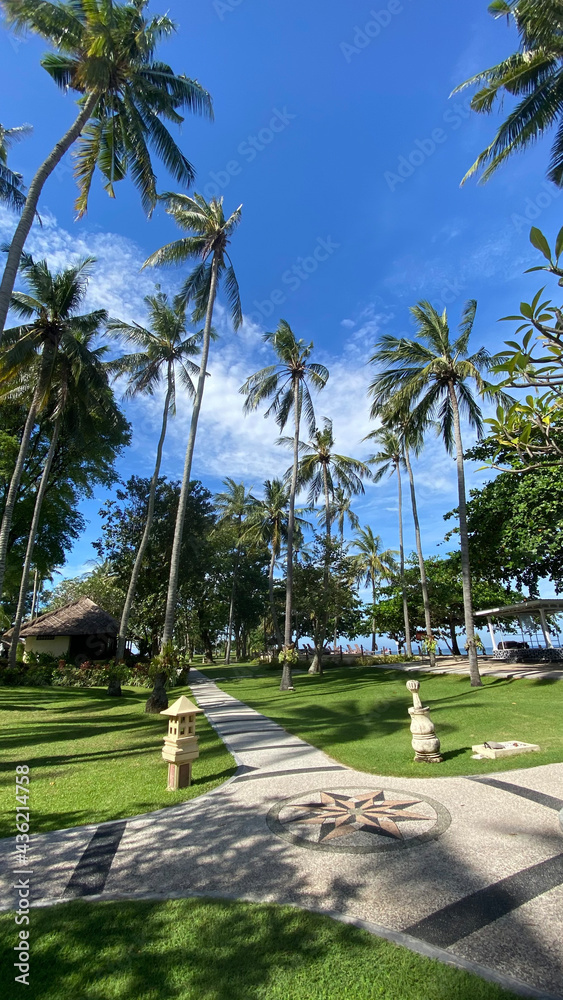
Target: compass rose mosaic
x,y
358,821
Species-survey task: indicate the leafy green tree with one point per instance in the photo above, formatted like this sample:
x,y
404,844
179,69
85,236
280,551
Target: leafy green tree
x,y
372,564
100,585
428,378
533,75
234,505
515,524
12,192
286,384
106,52
209,236
29,351
164,351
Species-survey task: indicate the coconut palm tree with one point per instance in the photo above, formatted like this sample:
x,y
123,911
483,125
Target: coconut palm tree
x,y
106,52
372,564
79,394
50,306
341,511
429,378
533,75
11,183
210,233
164,352
234,506
286,384
389,460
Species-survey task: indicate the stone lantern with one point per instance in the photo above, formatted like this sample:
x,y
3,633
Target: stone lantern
x,y
180,743
425,743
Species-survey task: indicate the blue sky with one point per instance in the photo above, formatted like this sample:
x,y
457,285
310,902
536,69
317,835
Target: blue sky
x,y
334,129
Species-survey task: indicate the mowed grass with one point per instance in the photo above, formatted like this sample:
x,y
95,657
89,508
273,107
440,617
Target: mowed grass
x,y
93,758
212,950
360,717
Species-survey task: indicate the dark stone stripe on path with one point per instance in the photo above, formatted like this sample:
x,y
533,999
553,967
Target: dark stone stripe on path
x,y
90,875
456,921
291,770
527,793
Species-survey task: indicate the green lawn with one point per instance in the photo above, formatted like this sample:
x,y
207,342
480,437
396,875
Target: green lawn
x,y
92,757
359,716
211,950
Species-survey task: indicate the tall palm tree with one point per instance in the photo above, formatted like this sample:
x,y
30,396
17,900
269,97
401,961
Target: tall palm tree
x,y
210,233
164,351
234,506
429,377
106,52
51,307
389,461
534,75
372,564
267,525
341,511
11,183
286,384
79,393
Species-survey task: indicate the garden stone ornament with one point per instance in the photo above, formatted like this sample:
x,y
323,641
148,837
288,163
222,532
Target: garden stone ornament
x,y
425,743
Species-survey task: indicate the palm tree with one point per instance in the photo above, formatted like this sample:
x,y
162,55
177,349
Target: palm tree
x,y
209,236
341,510
163,351
79,393
286,384
51,307
534,75
267,525
429,377
11,183
389,460
373,565
105,52
234,505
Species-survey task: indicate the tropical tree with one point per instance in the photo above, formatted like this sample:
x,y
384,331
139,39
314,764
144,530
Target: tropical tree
x,y
80,394
267,525
286,384
429,377
341,511
388,461
234,506
11,183
164,352
210,233
50,306
106,52
533,75
372,565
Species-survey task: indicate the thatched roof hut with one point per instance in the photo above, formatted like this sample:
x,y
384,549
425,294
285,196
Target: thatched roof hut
x,y
80,628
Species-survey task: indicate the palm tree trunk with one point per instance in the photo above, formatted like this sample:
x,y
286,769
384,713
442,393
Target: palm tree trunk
x,y
31,540
180,516
373,596
422,568
30,208
464,546
286,681
402,565
317,663
15,484
273,610
126,614
232,609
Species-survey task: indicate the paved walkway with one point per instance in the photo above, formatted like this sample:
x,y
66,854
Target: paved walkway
x,y
468,870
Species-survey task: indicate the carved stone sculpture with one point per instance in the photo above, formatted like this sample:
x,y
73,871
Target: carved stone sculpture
x,y
425,743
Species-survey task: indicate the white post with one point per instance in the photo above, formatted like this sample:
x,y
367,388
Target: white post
x,y
546,634
492,635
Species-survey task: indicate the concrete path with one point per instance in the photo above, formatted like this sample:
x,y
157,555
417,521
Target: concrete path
x,y
469,870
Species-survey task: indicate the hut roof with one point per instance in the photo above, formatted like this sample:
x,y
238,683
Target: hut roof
x,y
81,617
